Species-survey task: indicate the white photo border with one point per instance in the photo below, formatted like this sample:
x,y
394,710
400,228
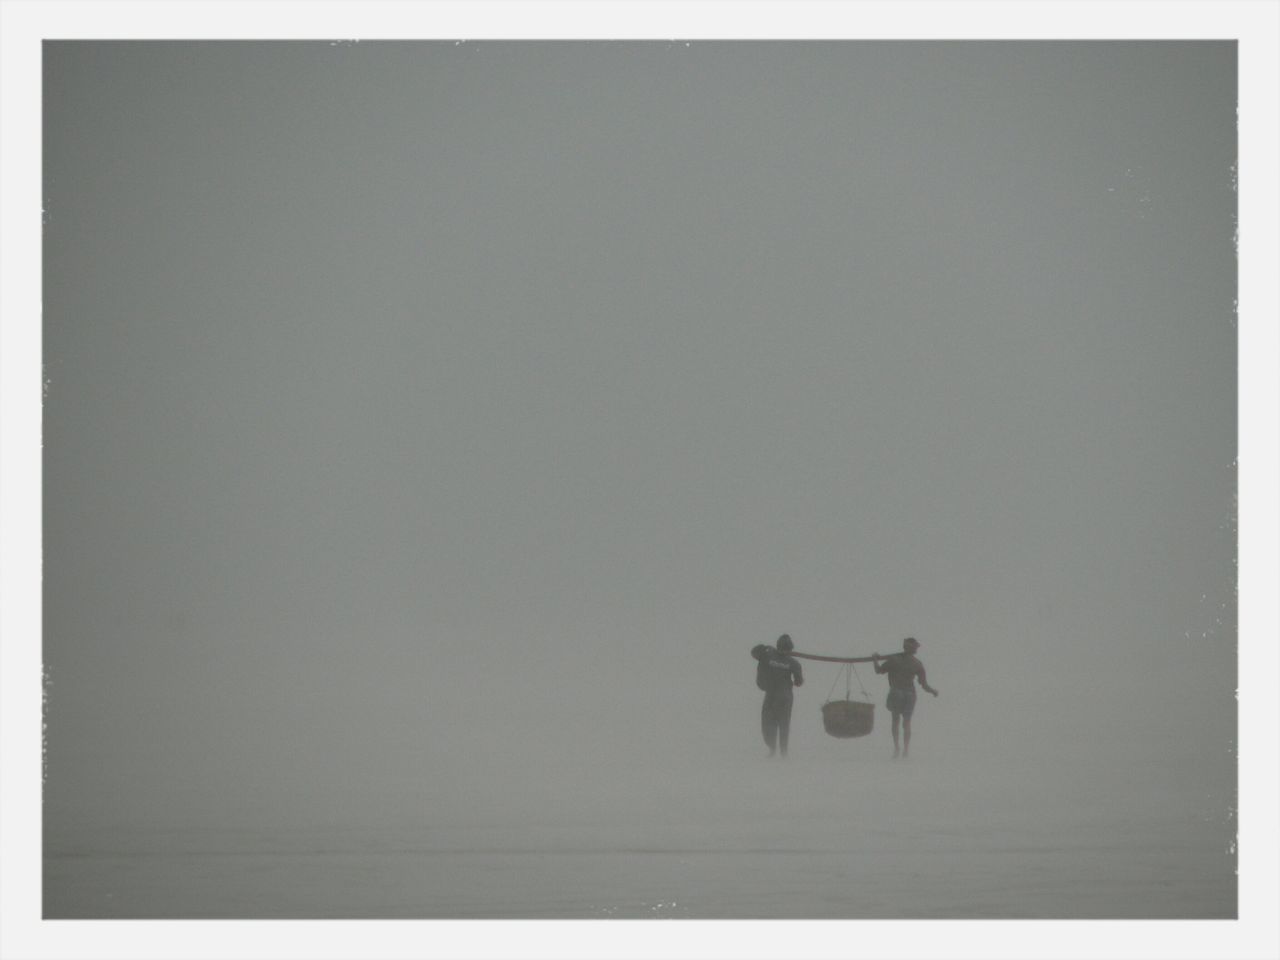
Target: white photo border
x,y
1255,26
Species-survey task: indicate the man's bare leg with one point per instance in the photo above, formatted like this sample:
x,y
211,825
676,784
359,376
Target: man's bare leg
x,y
895,735
906,736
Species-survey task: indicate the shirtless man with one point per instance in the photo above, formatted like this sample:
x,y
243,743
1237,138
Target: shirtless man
x,y
903,668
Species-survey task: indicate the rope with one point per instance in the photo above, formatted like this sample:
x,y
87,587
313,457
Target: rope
x,y
865,695
848,671
834,682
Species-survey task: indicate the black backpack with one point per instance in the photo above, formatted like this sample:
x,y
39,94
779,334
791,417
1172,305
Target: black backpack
x,y
762,670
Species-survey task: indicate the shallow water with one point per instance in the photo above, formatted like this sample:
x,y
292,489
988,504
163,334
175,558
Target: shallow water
x,y
744,839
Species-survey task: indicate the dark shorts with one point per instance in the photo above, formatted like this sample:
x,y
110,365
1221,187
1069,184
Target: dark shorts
x,y
901,700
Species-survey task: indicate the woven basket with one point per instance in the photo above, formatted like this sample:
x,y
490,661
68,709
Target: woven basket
x,y
848,718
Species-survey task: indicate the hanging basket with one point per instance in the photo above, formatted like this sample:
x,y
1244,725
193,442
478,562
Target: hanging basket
x,y
848,718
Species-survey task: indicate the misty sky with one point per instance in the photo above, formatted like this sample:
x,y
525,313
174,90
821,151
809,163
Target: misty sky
x,y
417,410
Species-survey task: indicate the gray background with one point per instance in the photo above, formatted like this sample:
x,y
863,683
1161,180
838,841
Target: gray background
x,y
427,421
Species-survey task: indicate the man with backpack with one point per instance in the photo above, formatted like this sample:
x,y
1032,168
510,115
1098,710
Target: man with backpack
x,y
776,672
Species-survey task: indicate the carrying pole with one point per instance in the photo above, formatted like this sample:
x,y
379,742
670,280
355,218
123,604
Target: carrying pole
x,y
814,656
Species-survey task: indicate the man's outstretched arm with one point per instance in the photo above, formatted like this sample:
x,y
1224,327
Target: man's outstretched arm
x,y
923,682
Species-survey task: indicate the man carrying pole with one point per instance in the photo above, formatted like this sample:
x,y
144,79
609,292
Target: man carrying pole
x,y
903,668
776,673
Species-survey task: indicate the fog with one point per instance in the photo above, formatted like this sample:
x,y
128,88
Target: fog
x,y
431,430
